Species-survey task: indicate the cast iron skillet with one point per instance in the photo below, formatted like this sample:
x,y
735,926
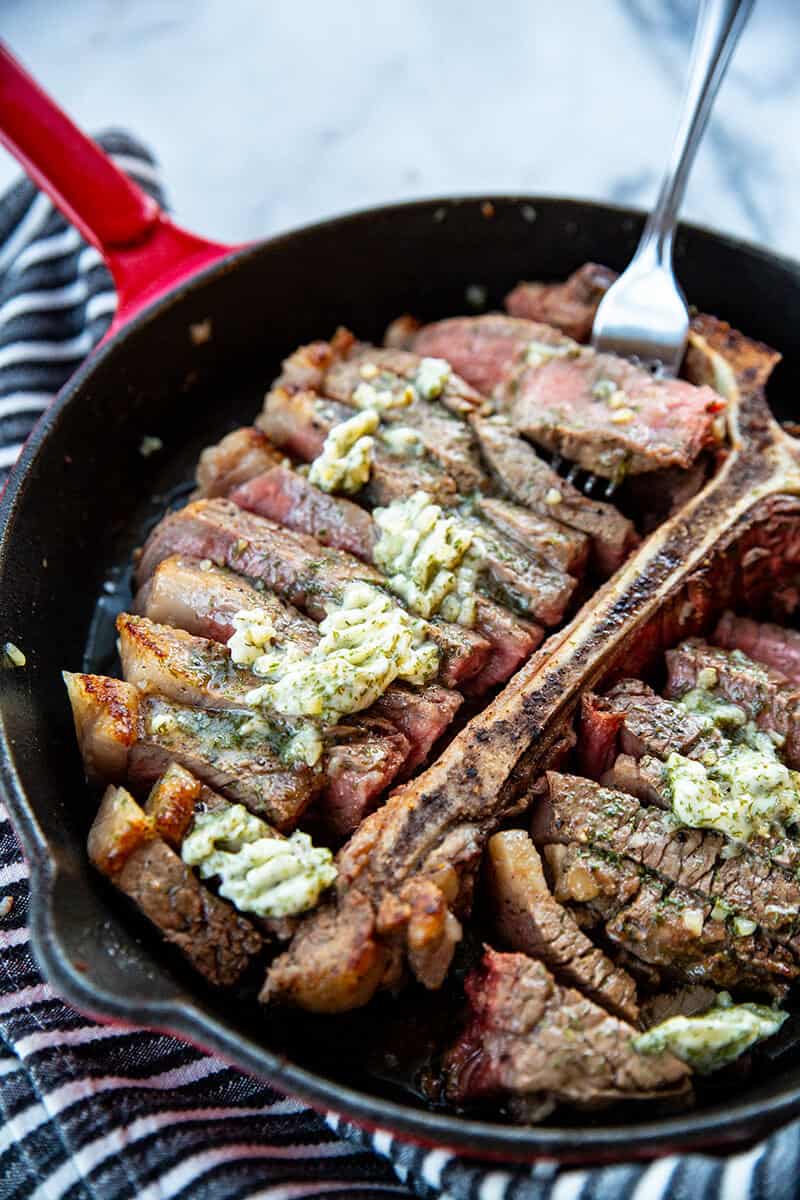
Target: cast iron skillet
x,y
82,497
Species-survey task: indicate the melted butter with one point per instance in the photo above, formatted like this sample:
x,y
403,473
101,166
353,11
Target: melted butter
x,y
254,631
366,643
431,560
258,871
346,459
715,1038
433,375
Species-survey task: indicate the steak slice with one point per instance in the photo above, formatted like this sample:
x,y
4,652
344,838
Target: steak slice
x,y
562,547
443,434
203,600
482,350
644,724
570,306
529,481
578,810
297,567
239,456
605,414
291,501
367,752
216,940
529,919
125,736
106,716
528,1036
394,364
514,573
667,926
771,645
765,696
299,422
645,778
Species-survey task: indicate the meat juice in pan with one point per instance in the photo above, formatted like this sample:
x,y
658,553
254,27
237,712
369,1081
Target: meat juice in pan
x,y
506,473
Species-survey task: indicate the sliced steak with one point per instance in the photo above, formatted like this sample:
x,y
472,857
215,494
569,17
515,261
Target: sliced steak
x,y
106,716
529,919
598,735
771,645
366,753
529,481
578,810
520,579
482,350
125,736
605,414
645,778
569,306
239,456
216,940
297,567
562,547
646,724
385,367
667,926
299,422
766,696
290,500
193,594
203,599
530,1037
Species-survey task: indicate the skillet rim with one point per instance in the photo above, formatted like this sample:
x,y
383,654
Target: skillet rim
x,y
183,1014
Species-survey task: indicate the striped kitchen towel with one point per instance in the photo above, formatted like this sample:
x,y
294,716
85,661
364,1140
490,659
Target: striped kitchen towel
x,y
93,1112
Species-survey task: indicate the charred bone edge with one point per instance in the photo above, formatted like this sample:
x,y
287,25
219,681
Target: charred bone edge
x,y
126,845
487,767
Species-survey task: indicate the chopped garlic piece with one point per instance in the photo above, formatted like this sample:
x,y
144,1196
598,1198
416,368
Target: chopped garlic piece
x,y
623,416
432,377
553,496
431,560
369,371
14,655
402,441
539,353
346,459
692,921
618,399
707,677
259,871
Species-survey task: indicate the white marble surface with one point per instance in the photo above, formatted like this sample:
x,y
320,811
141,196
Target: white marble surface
x,y
269,113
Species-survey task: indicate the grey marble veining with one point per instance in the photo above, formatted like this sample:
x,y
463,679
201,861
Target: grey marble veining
x,y
270,113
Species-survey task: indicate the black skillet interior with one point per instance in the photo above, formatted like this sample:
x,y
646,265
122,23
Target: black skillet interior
x,y
87,495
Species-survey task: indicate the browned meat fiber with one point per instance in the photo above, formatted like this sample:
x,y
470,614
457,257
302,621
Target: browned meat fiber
x,y
534,1039
123,844
203,599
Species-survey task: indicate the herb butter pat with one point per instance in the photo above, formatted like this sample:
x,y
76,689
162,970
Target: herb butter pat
x,y
366,643
432,377
259,872
742,790
431,560
254,631
346,459
714,1038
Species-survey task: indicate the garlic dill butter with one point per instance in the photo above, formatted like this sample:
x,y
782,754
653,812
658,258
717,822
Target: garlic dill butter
x,y
259,871
714,1038
743,790
346,459
431,560
367,641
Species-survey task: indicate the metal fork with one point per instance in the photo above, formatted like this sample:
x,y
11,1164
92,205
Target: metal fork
x,y
644,314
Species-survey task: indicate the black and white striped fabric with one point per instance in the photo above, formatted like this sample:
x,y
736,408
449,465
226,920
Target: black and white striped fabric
x,y
93,1112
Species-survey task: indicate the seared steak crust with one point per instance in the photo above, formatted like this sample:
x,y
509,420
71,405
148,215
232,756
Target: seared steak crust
x,y
569,305
530,1037
528,918
666,925
578,810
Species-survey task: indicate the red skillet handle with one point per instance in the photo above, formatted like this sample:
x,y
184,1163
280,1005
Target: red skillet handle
x,y
146,254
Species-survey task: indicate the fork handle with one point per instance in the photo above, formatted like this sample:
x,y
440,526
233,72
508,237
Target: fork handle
x,y
719,25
